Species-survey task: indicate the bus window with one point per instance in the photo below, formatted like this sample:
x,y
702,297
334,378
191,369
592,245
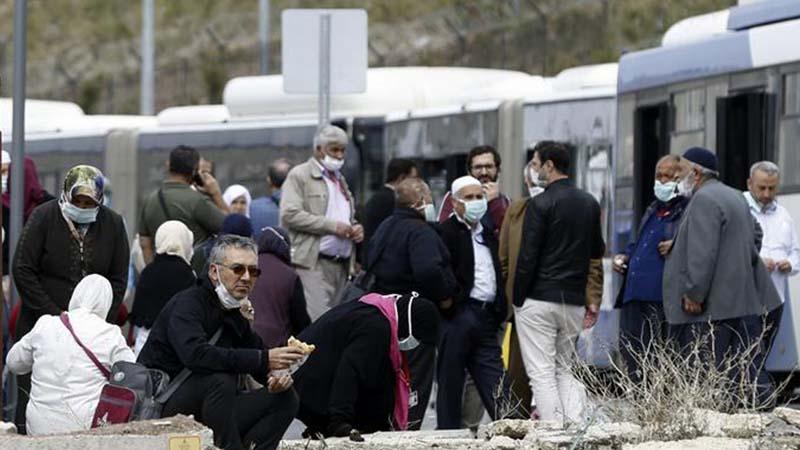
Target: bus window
x,y
744,135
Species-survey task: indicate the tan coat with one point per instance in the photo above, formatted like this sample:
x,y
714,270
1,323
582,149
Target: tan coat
x,y
304,201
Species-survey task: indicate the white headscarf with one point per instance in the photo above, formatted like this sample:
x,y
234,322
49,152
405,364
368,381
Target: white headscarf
x,y
235,191
174,238
6,157
92,294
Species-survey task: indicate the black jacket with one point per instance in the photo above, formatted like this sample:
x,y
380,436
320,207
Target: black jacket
x,y
458,240
159,282
179,338
415,258
48,263
561,232
378,208
349,377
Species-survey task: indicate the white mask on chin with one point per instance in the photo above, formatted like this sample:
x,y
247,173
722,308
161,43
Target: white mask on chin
x,y
226,298
686,185
332,164
533,191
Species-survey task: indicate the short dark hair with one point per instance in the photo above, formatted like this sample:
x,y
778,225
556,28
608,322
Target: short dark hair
x,y
397,168
557,152
278,171
480,150
183,160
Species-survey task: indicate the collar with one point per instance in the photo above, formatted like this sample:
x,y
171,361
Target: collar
x,y
316,168
562,181
410,213
478,229
757,207
389,186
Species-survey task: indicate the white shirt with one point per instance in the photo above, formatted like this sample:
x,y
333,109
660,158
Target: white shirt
x,y
485,286
338,209
780,240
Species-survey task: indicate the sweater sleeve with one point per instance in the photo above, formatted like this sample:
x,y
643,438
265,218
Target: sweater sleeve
x,y
20,358
27,265
535,226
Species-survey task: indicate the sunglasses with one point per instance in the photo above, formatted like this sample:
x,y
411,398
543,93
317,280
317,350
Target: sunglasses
x,y
240,269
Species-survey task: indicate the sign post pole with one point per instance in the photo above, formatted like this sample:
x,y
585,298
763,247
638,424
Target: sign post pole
x,y
324,91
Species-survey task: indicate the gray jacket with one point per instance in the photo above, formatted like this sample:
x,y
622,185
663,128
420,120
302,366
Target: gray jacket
x,y
714,260
304,200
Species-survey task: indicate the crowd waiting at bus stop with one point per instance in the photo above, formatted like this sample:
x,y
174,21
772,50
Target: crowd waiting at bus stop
x,y
250,313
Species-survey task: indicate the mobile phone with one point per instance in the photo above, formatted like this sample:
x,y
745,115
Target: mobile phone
x,y
197,179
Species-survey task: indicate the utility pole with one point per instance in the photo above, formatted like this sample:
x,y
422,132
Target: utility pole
x,y
146,101
263,35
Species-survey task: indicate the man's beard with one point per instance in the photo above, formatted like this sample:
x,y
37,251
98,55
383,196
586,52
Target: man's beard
x,y
487,178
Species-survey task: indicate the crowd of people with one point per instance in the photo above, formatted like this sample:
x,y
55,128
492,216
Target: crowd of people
x,y
219,283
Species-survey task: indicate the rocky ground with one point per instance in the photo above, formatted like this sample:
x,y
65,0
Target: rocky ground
x,y
778,430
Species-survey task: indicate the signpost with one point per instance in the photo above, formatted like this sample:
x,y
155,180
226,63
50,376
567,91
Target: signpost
x,y
324,52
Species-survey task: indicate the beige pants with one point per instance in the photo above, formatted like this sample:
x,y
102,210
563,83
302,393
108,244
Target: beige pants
x,y
322,285
547,333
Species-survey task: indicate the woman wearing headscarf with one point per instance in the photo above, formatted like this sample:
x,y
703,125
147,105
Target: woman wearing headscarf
x,y
238,199
356,379
64,241
66,384
168,274
278,300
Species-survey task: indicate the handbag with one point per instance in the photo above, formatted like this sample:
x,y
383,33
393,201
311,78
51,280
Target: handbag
x,y
364,283
133,392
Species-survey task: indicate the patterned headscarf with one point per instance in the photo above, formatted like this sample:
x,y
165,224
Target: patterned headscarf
x,y
84,180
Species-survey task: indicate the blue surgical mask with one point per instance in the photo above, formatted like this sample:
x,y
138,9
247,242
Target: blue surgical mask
x,y
474,210
409,343
79,215
665,191
429,211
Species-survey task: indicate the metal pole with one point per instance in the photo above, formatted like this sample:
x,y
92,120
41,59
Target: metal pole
x,y
146,104
18,133
263,35
324,69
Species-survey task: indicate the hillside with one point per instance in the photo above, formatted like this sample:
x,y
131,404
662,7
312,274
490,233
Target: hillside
x,y
87,50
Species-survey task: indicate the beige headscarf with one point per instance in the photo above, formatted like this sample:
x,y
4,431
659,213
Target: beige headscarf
x,y
174,238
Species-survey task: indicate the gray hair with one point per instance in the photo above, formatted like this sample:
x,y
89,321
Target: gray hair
x,y
768,167
226,241
706,173
330,134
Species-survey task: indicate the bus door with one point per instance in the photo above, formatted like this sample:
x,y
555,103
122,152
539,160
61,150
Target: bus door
x,y
744,135
650,143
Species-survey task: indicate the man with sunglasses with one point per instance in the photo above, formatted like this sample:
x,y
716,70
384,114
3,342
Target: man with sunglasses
x,y
180,339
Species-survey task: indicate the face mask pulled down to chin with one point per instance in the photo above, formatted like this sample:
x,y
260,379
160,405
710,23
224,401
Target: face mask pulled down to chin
x,y
227,299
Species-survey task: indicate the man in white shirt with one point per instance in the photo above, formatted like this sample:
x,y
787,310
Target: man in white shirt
x,y
317,209
472,320
779,248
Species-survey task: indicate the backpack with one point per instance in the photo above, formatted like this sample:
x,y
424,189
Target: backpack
x,y
133,392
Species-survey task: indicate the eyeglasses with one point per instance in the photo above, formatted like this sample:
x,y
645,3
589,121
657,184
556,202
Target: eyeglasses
x,y
485,167
240,269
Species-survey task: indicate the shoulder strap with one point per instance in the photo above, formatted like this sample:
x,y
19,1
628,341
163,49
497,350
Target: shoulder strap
x,y
184,374
163,203
65,320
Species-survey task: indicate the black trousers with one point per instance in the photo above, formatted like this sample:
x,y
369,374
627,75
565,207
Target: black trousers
x,y
240,420
469,343
726,340
23,394
421,367
640,323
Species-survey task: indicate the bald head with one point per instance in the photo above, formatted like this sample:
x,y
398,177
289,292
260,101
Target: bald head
x,y
667,168
411,193
278,171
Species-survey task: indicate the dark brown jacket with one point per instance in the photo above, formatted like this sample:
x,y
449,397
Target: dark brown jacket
x,y
48,264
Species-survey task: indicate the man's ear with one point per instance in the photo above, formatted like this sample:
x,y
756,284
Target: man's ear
x,y
213,273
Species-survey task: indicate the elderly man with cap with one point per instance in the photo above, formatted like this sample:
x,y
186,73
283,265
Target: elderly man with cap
x,y
469,342
715,284
64,241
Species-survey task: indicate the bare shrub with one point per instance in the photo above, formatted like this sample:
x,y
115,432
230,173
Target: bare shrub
x,y
672,383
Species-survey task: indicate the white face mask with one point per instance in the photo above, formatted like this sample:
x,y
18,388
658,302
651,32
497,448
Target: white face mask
x,y
533,191
225,297
332,164
409,343
429,211
686,185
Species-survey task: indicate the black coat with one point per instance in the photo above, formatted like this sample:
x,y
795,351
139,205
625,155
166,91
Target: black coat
x,y
349,377
458,239
378,208
179,337
48,262
415,258
159,282
561,232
